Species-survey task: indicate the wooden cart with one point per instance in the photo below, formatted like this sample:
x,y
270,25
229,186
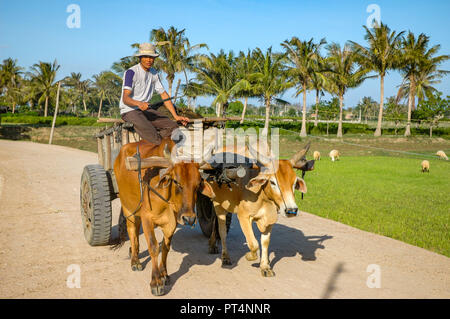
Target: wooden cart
x,y
99,187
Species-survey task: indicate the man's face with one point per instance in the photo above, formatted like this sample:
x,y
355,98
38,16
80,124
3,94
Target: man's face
x,y
147,61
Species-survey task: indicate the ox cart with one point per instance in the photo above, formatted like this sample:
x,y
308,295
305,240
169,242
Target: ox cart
x,y
99,187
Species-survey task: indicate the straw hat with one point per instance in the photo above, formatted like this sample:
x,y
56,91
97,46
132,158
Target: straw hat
x,y
147,49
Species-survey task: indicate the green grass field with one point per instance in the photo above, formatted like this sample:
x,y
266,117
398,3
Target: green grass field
x,y
389,196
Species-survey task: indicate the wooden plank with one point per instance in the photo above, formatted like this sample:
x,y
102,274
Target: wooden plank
x,y
125,138
101,155
131,163
107,165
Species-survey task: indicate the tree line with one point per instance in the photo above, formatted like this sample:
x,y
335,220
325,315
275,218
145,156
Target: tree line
x,y
228,77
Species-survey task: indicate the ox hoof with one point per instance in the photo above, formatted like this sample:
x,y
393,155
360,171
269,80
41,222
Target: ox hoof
x,y
157,290
267,273
165,280
226,262
213,250
250,256
136,267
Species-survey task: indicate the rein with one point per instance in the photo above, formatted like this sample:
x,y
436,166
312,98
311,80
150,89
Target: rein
x,y
138,157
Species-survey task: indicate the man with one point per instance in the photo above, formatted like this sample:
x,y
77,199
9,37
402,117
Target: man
x,y
139,83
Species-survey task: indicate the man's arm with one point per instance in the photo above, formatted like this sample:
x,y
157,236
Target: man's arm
x,y
131,102
169,105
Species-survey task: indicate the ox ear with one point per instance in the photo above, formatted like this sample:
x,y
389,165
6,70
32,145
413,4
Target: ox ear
x,y
256,183
164,178
300,185
206,189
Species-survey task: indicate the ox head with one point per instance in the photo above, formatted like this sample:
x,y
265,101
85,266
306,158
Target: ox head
x,y
184,181
278,179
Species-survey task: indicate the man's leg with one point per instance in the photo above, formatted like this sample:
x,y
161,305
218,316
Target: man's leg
x,y
143,126
162,123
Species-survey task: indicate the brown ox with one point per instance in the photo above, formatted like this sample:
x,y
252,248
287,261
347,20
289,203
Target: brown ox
x,y
177,182
260,199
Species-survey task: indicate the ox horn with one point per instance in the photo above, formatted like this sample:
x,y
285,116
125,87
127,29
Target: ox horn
x,y
300,154
265,160
132,163
206,156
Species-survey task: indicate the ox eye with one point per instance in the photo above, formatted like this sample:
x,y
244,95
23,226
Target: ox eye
x,y
273,183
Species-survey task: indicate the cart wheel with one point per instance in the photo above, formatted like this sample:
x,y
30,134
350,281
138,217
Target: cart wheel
x,y
95,203
206,216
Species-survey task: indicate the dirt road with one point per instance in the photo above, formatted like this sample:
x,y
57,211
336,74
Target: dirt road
x,y
41,237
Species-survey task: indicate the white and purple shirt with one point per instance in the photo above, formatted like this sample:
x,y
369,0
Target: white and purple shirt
x,y
141,83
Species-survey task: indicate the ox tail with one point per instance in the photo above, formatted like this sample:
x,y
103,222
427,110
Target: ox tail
x,y
122,232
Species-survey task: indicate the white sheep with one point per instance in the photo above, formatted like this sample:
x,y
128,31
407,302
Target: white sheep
x,y
334,154
442,155
316,155
425,166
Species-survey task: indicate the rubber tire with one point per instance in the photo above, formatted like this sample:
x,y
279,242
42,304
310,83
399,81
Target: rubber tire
x,y
205,215
95,205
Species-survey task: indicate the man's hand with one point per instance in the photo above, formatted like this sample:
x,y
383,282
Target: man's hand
x,y
143,105
182,119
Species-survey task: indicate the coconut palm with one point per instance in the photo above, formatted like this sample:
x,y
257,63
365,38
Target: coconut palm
x,y
269,80
43,75
176,53
246,66
343,74
416,56
107,85
302,57
380,56
216,76
318,83
11,81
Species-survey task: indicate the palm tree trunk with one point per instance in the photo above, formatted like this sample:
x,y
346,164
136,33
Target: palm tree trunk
x,y
380,113
317,108
170,82
410,99
46,106
266,123
14,107
84,104
341,103
244,110
100,107
303,130
218,109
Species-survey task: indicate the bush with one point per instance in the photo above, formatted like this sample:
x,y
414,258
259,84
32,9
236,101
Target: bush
x,y
47,121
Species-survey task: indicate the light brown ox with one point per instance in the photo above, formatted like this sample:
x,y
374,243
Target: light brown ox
x,y
178,182
260,199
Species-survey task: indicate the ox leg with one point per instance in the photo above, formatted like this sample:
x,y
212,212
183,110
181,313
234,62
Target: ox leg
x,y
252,243
266,231
212,244
222,219
133,227
156,284
168,232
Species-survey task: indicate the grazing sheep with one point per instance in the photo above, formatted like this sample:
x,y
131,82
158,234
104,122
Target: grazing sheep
x,y
316,155
442,155
425,166
334,154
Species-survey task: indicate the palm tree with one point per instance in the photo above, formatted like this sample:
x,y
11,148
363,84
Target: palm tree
x,y
216,75
245,65
343,74
302,59
176,53
414,57
74,82
318,83
269,80
43,75
427,77
380,56
11,81
107,85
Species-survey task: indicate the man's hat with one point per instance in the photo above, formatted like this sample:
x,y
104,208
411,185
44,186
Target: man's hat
x,y
147,49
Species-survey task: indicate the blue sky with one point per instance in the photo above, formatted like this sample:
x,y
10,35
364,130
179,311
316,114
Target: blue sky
x,y
33,31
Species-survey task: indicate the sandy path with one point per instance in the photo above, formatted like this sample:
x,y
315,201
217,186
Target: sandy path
x,y
41,235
